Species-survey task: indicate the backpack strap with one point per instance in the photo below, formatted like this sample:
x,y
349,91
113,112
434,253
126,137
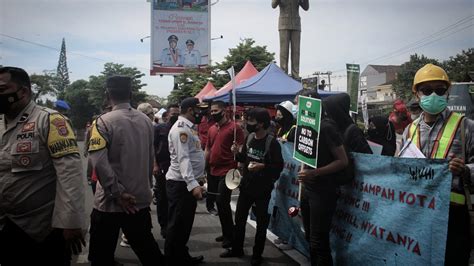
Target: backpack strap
x,y
268,142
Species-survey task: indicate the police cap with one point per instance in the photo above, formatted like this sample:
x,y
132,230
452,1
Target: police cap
x,y
191,102
189,42
173,38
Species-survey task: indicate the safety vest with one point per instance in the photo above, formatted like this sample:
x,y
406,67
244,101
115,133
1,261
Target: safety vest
x,y
443,143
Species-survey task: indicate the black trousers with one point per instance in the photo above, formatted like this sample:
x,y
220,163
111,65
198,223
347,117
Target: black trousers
x,y
212,187
225,212
458,244
244,204
104,232
161,198
181,209
317,209
17,248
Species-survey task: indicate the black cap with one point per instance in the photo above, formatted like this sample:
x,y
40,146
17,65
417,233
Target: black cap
x,y
119,83
189,102
189,42
173,38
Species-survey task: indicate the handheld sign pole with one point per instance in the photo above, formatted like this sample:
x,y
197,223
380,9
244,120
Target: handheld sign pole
x,y
234,100
306,138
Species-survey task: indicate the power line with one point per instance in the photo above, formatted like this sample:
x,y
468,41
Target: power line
x,y
56,49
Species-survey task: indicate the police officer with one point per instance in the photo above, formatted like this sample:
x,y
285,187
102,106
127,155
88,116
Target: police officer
x,y
41,186
442,134
172,56
182,182
124,164
192,57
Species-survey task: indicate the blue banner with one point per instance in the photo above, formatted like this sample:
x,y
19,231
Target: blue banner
x,y
394,213
284,196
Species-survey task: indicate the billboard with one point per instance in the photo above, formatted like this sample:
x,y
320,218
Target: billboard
x,y
179,35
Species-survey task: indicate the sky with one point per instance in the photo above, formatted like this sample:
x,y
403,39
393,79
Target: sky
x,y
334,32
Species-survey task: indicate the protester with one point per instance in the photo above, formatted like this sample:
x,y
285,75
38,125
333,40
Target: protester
x,y
318,201
203,129
41,185
442,134
414,109
124,164
221,159
400,117
162,163
182,183
337,108
381,131
285,119
147,109
262,163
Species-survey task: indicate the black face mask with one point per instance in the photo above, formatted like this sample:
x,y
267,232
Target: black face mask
x,y
217,117
280,120
6,101
251,128
173,119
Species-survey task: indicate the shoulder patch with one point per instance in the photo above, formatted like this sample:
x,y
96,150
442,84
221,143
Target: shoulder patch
x,y
61,138
97,141
183,137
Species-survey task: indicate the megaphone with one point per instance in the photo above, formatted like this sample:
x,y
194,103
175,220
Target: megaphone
x,y
232,179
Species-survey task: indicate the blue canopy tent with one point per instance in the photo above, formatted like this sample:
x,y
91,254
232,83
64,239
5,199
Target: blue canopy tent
x,y
269,86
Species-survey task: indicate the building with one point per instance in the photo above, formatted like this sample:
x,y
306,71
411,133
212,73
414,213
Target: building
x,y
376,83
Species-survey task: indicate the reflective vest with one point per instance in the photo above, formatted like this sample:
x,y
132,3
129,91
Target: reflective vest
x,y
443,143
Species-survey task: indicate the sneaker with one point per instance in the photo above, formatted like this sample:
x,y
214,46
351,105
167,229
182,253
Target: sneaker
x,y
213,211
284,246
229,253
124,244
256,260
219,238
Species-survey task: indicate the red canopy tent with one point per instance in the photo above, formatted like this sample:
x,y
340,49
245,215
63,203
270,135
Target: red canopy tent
x,y
245,73
209,89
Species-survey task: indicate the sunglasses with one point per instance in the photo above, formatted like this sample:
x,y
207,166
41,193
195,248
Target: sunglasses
x,y
428,90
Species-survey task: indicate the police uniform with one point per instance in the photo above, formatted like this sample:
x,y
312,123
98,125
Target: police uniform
x,y
123,163
187,166
191,58
171,57
41,184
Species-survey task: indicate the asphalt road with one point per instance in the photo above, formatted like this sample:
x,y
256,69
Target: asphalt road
x,y
206,228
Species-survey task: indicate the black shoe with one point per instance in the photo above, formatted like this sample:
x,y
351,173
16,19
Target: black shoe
x,y
219,238
229,253
163,233
256,260
213,211
226,244
197,259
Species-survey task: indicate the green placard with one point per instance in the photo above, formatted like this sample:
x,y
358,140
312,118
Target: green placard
x,y
307,131
353,73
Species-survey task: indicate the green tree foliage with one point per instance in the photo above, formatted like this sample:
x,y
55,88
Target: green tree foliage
x,y
192,81
459,66
97,83
404,81
62,73
82,109
43,84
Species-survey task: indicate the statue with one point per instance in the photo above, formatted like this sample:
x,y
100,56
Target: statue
x,y
289,26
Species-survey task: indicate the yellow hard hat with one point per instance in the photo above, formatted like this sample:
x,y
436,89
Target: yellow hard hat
x,y
430,72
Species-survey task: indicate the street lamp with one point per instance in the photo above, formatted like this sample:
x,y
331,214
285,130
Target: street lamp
x,y
146,37
217,38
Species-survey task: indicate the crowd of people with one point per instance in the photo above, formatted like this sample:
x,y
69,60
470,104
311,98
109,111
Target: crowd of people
x,y
134,160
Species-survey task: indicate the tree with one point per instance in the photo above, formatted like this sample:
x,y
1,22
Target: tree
x,y
62,72
404,81
43,84
97,84
82,110
459,66
192,81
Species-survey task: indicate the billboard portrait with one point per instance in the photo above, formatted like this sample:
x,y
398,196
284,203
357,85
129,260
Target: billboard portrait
x,y
179,35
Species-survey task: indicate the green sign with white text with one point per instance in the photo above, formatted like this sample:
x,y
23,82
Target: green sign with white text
x,y
353,72
307,131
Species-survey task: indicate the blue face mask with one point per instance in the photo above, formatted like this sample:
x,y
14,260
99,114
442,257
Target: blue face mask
x,y
433,104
